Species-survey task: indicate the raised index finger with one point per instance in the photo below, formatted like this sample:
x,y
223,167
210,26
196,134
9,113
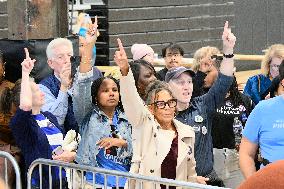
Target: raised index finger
x,y
120,46
96,20
226,26
27,53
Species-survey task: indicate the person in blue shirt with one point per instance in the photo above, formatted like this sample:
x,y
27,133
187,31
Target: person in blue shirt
x,y
264,129
37,133
57,87
103,125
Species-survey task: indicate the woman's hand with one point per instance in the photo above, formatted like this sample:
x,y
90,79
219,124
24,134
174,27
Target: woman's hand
x,y
120,59
110,142
201,180
28,63
66,156
91,35
229,39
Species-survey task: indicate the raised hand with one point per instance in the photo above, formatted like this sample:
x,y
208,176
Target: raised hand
x,y
65,77
91,35
120,58
229,39
28,63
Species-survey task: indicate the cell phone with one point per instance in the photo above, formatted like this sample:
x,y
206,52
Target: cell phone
x,y
57,151
75,62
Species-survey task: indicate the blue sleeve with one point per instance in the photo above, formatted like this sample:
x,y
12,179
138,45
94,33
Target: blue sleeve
x,y
217,92
96,73
82,98
253,125
251,89
58,106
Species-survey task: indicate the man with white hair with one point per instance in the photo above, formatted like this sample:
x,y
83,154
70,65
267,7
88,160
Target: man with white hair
x,y
56,87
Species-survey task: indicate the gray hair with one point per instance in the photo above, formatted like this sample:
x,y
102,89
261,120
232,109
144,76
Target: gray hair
x,y
57,43
154,88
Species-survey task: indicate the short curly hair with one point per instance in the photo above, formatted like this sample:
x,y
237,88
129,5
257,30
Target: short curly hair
x,y
154,88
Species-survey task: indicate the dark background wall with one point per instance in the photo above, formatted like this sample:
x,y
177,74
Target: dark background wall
x,y
259,24
190,23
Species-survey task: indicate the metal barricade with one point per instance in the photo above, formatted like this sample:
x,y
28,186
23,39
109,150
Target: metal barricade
x,y
8,157
139,179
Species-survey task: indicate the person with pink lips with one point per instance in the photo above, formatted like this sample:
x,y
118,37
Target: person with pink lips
x,y
197,112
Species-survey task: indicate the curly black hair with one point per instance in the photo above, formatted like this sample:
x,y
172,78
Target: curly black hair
x,y
96,86
9,97
274,86
235,95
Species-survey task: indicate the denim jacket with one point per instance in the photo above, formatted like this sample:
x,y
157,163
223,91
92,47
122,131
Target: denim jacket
x,y
94,124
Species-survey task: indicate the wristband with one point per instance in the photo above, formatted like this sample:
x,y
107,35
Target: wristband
x,y
228,55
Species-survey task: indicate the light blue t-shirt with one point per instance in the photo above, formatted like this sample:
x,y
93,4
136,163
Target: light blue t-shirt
x,y
265,126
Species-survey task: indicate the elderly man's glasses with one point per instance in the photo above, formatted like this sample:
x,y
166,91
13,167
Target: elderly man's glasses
x,y
162,104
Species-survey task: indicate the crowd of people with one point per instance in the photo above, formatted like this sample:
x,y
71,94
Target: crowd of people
x,y
178,123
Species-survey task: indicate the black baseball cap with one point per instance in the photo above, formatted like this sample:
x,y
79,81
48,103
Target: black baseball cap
x,y
174,73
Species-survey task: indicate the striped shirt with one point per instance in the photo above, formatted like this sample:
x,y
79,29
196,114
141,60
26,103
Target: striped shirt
x,y
53,134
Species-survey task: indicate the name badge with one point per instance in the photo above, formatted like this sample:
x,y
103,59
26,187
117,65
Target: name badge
x,y
204,130
198,119
196,128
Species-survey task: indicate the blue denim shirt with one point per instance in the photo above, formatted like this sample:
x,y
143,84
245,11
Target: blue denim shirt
x,y
94,124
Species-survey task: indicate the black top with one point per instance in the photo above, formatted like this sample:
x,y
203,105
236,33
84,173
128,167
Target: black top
x,y
162,74
198,83
223,135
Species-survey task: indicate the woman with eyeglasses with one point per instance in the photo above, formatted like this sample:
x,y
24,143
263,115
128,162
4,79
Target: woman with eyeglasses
x,y
257,87
162,146
103,125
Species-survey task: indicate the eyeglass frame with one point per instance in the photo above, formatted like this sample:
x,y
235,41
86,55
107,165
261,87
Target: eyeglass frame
x,y
165,103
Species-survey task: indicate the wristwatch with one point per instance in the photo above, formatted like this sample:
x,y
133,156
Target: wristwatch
x,y
228,55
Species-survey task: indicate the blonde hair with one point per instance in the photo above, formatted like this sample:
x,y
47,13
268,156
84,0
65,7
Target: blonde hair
x,y
201,53
276,50
58,42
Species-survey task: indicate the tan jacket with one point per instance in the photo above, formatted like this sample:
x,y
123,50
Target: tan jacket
x,y
151,144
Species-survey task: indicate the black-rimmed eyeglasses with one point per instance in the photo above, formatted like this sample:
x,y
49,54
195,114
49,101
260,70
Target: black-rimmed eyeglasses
x,y
162,104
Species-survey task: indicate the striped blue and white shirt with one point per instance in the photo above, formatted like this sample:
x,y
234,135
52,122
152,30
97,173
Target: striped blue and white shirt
x,y
53,134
